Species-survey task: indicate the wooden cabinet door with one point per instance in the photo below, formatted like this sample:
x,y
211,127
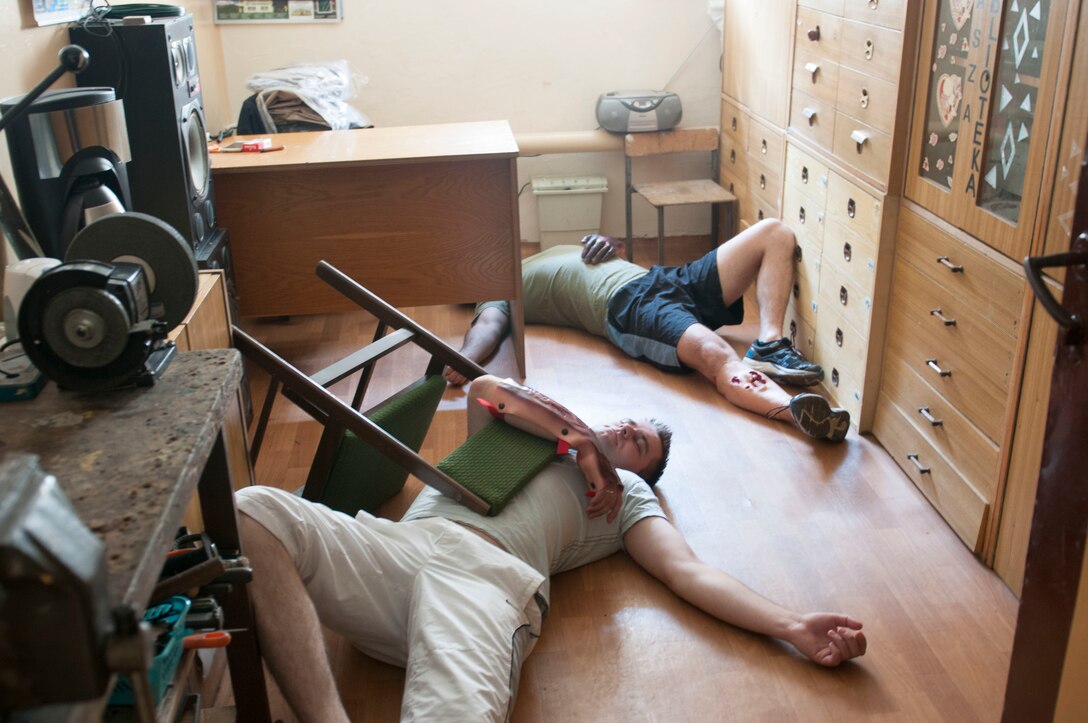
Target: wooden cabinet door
x,y
756,57
984,99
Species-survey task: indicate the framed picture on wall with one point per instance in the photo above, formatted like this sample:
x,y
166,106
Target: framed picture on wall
x,y
279,11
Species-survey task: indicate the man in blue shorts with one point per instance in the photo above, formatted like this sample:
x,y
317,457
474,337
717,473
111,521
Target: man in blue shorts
x,y
667,316
457,598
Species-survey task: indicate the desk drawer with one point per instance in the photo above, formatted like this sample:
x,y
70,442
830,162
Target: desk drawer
x,y
886,13
735,124
813,119
841,389
816,76
765,182
942,425
839,292
840,345
853,209
993,286
807,174
964,508
818,33
800,332
863,147
871,50
804,216
980,397
730,181
733,157
870,100
806,280
754,208
766,145
852,255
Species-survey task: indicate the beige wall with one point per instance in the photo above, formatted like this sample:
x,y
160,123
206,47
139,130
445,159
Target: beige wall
x,y
539,65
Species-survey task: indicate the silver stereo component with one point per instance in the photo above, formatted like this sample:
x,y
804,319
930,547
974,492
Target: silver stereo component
x,y
634,111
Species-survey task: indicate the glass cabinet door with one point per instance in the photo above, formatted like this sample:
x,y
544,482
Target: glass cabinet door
x,y
983,106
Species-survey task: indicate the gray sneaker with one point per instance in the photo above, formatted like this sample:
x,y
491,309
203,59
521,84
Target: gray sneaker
x,y
817,418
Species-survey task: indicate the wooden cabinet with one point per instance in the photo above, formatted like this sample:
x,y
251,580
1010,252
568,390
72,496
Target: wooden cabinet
x,y
208,326
754,106
962,402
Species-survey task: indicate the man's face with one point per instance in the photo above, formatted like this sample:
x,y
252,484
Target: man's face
x,y
631,445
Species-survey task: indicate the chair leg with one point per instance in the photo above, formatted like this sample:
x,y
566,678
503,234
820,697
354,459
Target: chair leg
x,y
715,219
627,190
661,236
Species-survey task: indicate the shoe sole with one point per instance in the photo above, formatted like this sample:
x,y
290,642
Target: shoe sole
x,y
818,419
783,374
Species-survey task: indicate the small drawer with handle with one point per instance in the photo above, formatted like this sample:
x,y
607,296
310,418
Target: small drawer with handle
x,y
813,119
862,146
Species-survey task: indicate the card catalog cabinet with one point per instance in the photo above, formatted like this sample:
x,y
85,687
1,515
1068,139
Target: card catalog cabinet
x,y
986,92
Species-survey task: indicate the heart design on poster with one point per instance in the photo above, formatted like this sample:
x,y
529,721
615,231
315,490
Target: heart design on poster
x,y
961,12
949,95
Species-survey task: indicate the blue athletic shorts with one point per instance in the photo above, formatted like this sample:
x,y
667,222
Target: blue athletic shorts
x,y
647,316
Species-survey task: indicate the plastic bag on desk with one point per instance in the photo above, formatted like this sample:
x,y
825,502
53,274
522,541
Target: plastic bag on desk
x,y
324,87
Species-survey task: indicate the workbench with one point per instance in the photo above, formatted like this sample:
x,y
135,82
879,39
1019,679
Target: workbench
x,y
420,215
129,461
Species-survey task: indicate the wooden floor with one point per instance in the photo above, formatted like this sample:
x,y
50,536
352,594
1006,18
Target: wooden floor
x,y
814,526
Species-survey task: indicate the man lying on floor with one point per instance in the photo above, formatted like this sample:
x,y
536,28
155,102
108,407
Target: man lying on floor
x,y
458,598
667,316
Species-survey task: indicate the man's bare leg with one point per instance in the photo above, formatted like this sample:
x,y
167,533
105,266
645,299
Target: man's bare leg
x,y
289,631
482,339
707,353
761,254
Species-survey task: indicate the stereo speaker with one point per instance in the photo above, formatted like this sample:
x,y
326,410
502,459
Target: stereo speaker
x,y
153,68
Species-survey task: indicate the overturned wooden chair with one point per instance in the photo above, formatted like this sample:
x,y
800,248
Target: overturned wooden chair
x,y
364,458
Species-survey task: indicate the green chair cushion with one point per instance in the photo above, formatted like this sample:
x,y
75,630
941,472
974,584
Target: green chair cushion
x,y
362,478
496,462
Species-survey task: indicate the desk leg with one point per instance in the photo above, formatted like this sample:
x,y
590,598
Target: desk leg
x,y
243,654
517,334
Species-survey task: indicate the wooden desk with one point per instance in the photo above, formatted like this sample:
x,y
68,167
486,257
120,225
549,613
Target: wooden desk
x,y
420,215
129,461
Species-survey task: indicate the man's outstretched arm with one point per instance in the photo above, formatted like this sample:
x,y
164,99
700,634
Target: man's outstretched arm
x,y
825,638
482,339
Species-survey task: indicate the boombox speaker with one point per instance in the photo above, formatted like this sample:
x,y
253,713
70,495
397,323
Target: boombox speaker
x,y
154,70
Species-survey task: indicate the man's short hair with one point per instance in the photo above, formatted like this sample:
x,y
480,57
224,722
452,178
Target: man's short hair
x,y
664,433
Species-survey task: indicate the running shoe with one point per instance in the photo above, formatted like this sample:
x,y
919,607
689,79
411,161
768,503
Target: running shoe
x,y
782,362
818,419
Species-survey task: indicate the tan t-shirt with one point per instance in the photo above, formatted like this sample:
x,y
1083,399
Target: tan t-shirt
x,y
562,290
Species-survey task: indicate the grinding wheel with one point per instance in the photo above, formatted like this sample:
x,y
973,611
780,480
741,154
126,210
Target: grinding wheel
x,y
166,257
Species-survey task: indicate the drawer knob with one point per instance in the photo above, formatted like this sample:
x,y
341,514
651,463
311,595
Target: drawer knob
x,y
932,364
762,181
864,98
801,213
873,4
812,69
860,138
947,263
763,146
733,155
843,295
814,34
869,48
810,115
759,214
797,253
922,469
733,123
838,337
847,251
924,411
944,319
804,174
731,189
797,291
851,208
834,377
793,332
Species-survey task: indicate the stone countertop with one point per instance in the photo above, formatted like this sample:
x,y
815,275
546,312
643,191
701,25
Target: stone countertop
x,y
129,460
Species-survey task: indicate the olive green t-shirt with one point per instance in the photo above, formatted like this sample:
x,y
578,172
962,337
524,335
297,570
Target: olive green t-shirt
x,y
562,290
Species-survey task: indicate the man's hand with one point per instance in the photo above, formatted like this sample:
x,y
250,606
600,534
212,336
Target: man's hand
x,y
827,638
605,491
597,248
